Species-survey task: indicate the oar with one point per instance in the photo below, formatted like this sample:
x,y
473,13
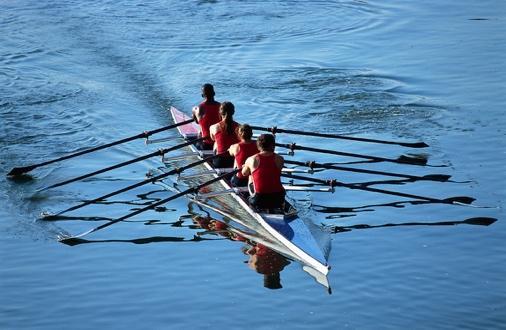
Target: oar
x,y
402,159
429,177
453,200
275,130
24,169
194,189
133,186
135,160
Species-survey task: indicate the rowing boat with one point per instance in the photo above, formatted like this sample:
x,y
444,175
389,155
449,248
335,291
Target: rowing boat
x,y
288,233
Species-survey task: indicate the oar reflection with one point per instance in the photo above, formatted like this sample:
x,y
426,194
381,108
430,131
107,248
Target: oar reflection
x,y
477,221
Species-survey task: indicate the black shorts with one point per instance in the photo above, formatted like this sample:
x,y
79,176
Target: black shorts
x,y
237,182
201,145
268,201
223,162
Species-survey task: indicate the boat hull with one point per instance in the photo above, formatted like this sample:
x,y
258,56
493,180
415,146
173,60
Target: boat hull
x,y
287,234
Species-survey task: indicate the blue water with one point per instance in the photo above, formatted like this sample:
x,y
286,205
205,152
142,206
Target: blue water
x,y
76,74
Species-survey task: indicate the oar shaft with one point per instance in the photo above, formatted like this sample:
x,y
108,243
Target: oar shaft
x,y
402,160
152,206
135,160
275,130
358,187
139,184
25,169
351,169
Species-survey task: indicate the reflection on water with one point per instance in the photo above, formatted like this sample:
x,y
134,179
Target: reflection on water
x,y
481,221
261,259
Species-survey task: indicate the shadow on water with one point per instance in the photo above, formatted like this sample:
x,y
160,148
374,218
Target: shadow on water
x,y
261,259
477,221
144,240
371,207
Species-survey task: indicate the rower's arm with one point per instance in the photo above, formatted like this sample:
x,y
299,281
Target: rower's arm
x,y
247,167
212,131
197,113
233,150
280,161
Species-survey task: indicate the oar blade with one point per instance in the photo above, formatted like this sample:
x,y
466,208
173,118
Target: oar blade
x,y
18,171
67,239
71,241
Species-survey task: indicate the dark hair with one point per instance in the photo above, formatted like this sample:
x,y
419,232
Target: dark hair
x,y
227,111
245,132
266,142
207,90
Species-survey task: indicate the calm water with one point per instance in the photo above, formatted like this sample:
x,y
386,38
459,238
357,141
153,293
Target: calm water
x,y
75,74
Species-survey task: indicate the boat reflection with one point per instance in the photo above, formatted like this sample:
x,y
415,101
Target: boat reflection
x,y
261,258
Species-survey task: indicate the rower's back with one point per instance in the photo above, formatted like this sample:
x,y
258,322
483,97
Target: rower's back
x,y
267,192
207,113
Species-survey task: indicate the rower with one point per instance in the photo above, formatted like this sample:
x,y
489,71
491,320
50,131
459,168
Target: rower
x,y
264,170
207,113
242,151
224,134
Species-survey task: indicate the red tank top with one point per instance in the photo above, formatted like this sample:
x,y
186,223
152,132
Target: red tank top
x,y
225,140
211,116
245,150
267,176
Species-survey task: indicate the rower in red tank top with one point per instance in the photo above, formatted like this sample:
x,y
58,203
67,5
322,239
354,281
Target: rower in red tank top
x,y
207,113
242,151
224,134
264,169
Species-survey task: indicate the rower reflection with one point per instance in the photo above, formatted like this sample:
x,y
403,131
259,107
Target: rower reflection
x,y
261,259
267,262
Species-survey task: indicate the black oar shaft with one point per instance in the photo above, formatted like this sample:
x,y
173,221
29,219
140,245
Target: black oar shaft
x,y
401,160
25,169
139,184
312,164
359,187
275,130
135,160
154,205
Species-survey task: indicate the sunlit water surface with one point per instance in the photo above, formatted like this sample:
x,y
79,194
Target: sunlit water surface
x,y
78,74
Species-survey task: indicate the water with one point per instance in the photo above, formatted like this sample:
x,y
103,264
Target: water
x,y
79,74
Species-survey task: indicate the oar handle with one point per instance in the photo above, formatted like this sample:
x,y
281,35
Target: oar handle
x,y
275,130
21,170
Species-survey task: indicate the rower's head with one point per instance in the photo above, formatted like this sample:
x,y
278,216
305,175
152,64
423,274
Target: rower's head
x,y
208,91
266,142
227,110
245,132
